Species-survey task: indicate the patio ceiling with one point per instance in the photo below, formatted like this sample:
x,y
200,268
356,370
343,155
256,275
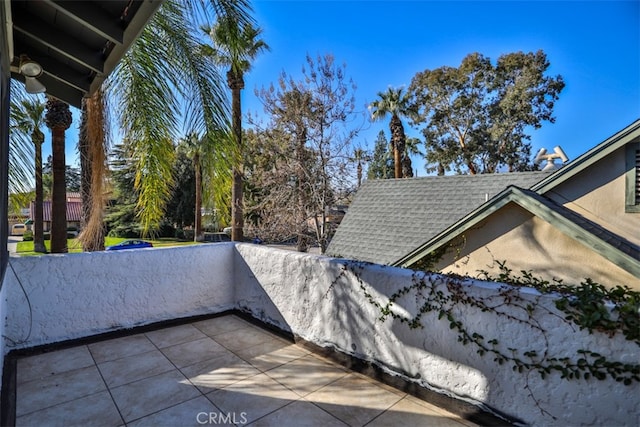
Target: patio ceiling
x,y
78,43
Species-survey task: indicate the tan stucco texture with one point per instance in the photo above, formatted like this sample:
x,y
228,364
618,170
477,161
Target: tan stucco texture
x,y
529,243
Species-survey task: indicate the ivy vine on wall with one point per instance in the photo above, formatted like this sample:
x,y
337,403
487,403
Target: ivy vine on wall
x,y
589,305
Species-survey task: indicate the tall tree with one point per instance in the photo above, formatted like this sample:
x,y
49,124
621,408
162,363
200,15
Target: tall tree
x,y
29,119
396,104
360,156
476,116
236,45
192,146
382,164
58,119
180,209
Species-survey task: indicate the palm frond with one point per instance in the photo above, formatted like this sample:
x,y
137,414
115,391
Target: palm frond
x,y
26,114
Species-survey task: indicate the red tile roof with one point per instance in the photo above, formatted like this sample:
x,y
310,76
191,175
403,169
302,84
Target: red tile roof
x,y
74,211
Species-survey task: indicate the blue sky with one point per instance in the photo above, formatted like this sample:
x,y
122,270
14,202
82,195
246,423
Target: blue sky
x,y
593,45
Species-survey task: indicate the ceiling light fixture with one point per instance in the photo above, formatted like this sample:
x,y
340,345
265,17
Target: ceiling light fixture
x,y
31,70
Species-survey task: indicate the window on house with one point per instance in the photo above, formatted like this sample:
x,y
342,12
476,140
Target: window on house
x,y
632,203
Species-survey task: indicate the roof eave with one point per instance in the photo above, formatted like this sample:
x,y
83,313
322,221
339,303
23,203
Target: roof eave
x,y
131,34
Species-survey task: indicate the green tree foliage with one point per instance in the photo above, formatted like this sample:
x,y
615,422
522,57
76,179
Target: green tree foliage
x,y
381,165
21,148
181,207
476,116
120,218
195,148
72,177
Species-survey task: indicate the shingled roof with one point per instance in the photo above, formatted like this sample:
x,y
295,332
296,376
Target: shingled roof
x,y
390,218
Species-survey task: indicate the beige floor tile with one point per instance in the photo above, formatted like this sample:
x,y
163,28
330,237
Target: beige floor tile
x,y
47,364
306,375
194,351
354,400
300,414
141,398
439,410
193,412
221,325
244,338
214,374
96,409
39,394
175,335
254,397
380,384
120,347
409,413
133,368
270,355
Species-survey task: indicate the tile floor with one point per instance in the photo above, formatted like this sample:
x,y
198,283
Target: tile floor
x,y
221,371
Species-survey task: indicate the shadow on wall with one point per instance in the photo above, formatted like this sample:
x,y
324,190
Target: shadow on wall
x,y
315,299
333,303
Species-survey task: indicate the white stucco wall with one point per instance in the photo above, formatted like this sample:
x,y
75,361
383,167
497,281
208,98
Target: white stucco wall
x,y
316,299
78,295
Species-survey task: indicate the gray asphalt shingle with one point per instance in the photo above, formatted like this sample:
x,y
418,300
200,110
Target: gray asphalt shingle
x,y
391,217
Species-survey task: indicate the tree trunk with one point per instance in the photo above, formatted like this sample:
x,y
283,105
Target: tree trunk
x,y
58,119
198,236
302,244
236,84
398,143
58,193
92,146
38,220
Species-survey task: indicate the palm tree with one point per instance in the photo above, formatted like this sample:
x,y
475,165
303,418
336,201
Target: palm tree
x,y
395,103
58,119
193,148
359,156
236,45
163,73
29,119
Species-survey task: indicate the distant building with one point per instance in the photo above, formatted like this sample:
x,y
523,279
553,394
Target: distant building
x,y
74,211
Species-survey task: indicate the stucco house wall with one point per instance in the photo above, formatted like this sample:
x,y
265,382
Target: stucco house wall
x,y
527,242
598,194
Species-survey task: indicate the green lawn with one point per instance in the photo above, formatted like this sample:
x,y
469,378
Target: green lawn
x,y
26,248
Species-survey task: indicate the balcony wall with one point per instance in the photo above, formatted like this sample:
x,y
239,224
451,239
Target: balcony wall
x,y
321,300
77,295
